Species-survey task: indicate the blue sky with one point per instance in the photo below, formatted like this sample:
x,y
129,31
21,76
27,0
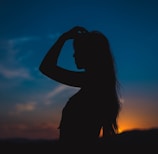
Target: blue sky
x,y
31,103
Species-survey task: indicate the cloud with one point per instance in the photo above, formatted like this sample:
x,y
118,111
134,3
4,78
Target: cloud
x,y
25,39
30,106
10,66
14,52
36,101
23,107
14,73
58,90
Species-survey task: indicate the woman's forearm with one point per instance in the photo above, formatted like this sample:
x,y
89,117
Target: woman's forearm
x,y
51,58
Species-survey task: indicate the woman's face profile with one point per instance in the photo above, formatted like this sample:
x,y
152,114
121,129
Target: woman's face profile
x,y
88,50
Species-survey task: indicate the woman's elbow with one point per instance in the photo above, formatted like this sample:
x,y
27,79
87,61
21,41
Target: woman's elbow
x,y
43,69
46,70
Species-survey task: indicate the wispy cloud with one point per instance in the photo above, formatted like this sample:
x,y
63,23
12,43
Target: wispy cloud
x,y
14,73
56,91
19,40
13,53
10,66
30,106
49,97
19,108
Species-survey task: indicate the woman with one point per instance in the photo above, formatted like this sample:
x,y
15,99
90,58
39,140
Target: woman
x,y
96,105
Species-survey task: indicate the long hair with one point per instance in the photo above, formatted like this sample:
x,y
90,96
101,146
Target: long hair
x,y
96,52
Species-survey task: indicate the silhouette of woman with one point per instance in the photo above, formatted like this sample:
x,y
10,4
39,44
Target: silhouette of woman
x,y
96,105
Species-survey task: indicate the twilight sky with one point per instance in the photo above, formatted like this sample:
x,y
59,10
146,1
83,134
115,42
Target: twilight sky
x,y
31,103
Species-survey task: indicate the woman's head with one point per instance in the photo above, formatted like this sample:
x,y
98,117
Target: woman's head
x,y
91,49
92,53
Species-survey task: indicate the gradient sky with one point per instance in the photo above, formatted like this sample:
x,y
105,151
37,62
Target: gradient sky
x,y
31,103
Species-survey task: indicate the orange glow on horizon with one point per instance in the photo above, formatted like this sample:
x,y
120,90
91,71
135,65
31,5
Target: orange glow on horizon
x,y
135,119
101,132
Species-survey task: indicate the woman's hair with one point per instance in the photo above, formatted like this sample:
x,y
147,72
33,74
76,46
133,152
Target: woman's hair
x,y
95,48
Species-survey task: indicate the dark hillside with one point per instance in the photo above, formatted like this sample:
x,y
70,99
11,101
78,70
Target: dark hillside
x,y
134,141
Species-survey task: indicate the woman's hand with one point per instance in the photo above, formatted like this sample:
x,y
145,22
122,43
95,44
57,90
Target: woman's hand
x,y
74,33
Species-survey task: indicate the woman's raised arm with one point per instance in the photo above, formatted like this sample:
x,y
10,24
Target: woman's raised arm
x,y
49,66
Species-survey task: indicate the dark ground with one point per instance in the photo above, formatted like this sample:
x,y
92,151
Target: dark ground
x,y
135,141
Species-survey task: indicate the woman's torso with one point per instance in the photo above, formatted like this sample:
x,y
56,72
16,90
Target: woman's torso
x,y
80,118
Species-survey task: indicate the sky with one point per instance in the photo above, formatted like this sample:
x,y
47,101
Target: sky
x,y
31,103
